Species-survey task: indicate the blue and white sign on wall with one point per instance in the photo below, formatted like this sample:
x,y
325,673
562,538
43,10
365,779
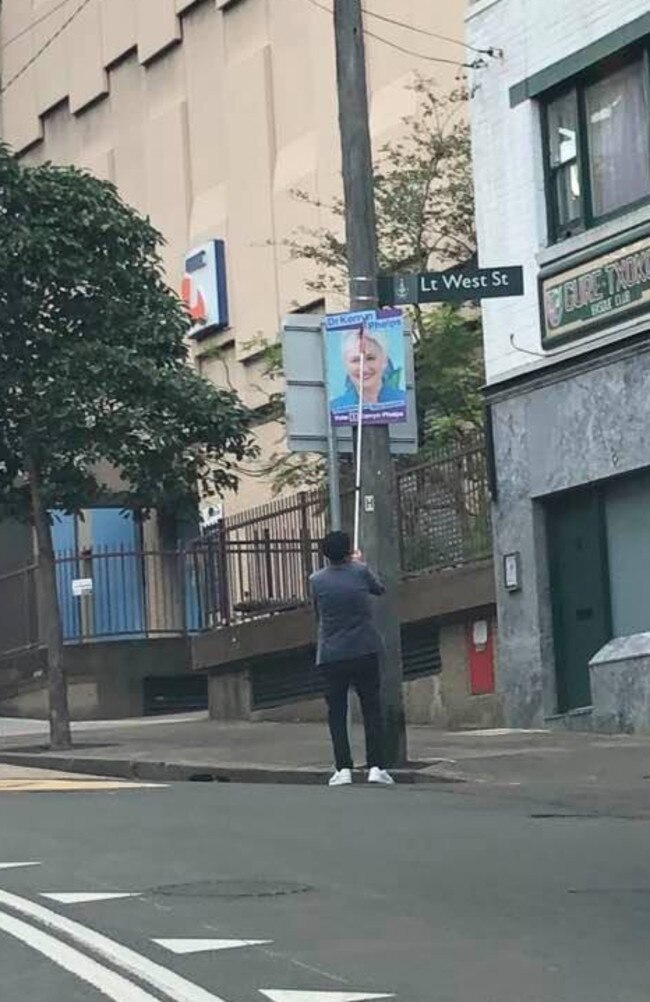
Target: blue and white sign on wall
x,y
204,290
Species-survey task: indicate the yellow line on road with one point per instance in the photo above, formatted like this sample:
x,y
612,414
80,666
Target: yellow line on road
x,y
77,785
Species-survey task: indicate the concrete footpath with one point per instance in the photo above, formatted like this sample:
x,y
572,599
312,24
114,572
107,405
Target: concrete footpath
x,y
579,769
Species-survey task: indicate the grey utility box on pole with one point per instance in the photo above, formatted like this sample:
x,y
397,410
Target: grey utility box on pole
x,y
306,401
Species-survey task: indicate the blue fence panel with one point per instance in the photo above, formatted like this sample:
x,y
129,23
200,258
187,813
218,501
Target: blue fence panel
x,y
117,572
191,573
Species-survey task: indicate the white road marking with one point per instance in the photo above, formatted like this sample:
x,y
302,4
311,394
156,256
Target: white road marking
x,y
83,897
288,959
113,985
282,996
11,866
204,945
168,982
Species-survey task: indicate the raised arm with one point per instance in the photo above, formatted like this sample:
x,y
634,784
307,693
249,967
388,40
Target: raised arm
x,y
374,584
375,587
314,600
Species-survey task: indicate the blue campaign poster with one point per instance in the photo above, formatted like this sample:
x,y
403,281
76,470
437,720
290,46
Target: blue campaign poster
x,y
384,381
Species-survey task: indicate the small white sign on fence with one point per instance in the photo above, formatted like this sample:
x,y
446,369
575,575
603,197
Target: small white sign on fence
x,y
82,586
212,514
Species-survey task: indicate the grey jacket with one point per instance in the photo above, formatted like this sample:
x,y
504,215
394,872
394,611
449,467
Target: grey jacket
x,y
342,601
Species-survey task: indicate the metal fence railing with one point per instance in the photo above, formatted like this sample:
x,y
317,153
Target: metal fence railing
x,y
253,564
270,552
444,509
19,628
259,562
135,593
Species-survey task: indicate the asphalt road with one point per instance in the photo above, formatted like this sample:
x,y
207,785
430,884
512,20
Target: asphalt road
x,y
427,894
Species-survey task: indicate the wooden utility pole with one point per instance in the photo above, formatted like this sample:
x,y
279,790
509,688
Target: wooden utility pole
x,y
379,539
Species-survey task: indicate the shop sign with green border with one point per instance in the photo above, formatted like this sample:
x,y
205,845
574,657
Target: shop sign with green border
x,y
599,292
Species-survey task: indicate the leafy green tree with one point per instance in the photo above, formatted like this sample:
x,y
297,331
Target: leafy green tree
x,y
425,220
93,371
449,374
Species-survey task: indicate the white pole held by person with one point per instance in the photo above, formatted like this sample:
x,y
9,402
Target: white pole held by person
x,y
357,482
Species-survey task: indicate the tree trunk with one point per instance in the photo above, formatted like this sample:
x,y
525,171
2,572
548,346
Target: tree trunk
x,y
50,621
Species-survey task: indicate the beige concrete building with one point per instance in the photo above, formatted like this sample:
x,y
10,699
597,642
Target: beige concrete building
x,y
207,114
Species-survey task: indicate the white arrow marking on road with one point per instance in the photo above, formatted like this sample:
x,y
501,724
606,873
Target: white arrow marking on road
x,y
11,866
108,982
81,898
282,996
203,945
167,982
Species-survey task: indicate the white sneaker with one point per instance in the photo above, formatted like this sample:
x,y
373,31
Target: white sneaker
x,y
342,777
380,776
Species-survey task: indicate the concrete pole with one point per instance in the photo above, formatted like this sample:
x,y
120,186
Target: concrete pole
x,y
379,533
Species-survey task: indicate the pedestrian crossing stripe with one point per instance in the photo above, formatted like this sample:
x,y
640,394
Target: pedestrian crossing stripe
x,y
88,897
81,785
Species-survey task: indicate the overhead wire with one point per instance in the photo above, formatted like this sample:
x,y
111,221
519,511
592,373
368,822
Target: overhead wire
x,y
418,55
30,62
315,3
34,24
431,34
401,48
559,351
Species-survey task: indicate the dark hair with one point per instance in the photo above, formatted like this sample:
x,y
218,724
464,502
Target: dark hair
x,y
337,547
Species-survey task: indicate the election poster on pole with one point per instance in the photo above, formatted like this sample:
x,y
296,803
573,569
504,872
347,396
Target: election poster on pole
x,y
366,367
365,371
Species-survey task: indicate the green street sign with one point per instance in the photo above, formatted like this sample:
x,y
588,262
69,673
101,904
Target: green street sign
x,y
453,285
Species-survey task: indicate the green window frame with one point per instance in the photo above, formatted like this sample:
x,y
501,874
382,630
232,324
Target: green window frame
x,y
569,133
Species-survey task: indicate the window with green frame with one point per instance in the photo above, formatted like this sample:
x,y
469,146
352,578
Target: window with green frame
x,y
596,132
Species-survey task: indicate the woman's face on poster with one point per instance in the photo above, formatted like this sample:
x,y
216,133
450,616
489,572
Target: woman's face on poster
x,y
374,366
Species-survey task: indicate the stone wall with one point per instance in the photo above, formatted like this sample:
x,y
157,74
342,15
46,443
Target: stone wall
x,y
576,428
443,699
105,680
620,685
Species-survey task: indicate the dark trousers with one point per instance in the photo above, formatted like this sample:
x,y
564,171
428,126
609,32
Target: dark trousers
x,y
363,675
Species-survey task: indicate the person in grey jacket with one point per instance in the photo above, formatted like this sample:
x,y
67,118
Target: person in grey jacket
x,y
348,648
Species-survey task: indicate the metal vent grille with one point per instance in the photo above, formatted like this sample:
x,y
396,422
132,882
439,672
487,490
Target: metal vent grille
x,y
421,649
285,678
290,677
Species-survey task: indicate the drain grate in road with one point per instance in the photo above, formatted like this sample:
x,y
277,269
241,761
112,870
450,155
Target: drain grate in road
x,y
609,890
590,816
545,815
233,889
